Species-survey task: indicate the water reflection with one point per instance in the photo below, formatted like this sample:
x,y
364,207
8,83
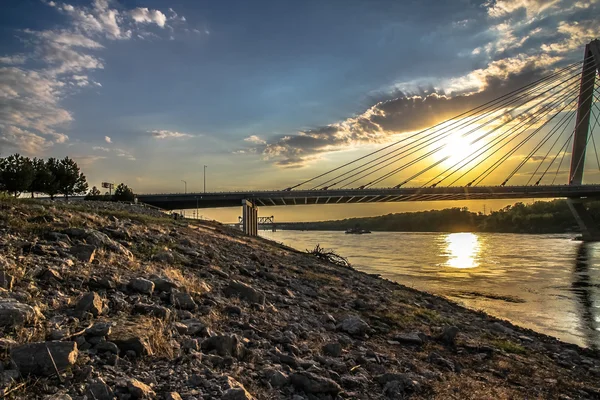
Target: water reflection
x,y
462,250
584,289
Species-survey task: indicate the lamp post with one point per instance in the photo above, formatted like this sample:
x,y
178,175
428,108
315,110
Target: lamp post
x,y
185,187
205,178
196,207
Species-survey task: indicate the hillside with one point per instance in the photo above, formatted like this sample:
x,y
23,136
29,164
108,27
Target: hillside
x,y
104,301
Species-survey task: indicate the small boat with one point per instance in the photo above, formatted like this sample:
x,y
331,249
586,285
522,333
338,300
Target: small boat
x,y
356,231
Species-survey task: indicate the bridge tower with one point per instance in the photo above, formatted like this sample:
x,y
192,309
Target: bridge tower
x,y
591,67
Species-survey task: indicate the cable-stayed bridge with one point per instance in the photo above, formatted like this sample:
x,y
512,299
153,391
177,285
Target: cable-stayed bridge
x,y
530,142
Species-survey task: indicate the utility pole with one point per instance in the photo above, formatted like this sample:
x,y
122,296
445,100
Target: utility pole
x,y
205,178
185,187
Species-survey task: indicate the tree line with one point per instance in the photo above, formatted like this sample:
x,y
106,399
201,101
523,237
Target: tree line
x,y
538,217
53,177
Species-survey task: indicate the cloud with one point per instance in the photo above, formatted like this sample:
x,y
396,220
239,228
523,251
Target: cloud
x,y
254,139
100,148
31,95
527,39
86,161
164,134
13,60
144,15
107,139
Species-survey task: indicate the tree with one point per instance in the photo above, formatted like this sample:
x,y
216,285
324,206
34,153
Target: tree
x,y
123,193
93,194
42,177
16,174
70,180
53,167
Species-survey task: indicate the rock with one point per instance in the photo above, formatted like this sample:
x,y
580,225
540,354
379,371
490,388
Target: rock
x,y
409,338
191,327
35,359
224,345
14,313
99,390
173,396
99,329
332,349
245,292
139,390
277,378
165,257
102,283
6,280
435,358
102,240
233,310
191,344
239,393
84,252
142,285
354,326
109,347
164,285
135,344
90,302
183,301
310,383
448,336
49,274
151,309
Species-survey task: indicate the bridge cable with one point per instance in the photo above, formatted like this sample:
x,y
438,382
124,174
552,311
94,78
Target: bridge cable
x,y
592,134
468,133
571,116
534,118
441,123
498,162
495,142
586,142
562,150
466,122
487,172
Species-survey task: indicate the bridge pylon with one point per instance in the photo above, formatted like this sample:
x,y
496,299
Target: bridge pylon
x,y
249,218
591,67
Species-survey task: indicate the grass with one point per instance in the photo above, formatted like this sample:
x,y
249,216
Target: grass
x,y
508,346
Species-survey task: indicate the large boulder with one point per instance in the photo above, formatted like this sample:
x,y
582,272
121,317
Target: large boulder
x,y
354,326
14,313
152,309
139,390
103,240
244,292
84,252
44,358
224,345
310,383
99,390
90,302
183,301
141,285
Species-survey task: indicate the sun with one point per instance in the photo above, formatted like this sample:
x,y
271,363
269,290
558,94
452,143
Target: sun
x,y
457,148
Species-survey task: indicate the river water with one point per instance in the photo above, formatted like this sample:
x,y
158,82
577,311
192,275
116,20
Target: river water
x,y
548,283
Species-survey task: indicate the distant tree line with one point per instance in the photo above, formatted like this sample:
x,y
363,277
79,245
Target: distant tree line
x,y
19,174
538,217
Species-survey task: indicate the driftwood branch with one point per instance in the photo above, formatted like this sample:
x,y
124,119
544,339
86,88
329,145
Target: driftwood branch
x,y
329,256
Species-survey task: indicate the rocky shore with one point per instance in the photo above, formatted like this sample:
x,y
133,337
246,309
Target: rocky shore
x,y
104,301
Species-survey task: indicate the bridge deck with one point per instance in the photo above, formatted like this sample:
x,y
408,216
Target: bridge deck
x,y
354,196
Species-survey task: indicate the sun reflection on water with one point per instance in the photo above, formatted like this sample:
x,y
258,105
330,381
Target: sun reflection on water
x,y
462,250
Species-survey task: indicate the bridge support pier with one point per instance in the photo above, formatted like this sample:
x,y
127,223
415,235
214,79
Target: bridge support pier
x,y
249,218
591,66
589,230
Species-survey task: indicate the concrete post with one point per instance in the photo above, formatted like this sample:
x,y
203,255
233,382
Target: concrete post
x,y
249,218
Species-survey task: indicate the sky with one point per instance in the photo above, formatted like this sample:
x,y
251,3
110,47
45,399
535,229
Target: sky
x,y
264,93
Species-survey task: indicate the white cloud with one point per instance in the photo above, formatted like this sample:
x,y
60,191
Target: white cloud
x,y
28,142
100,148
144,15
107,139
255,139
13,60
164,134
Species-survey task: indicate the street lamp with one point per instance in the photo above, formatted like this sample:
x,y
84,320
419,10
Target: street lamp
x,y
185,187
205,178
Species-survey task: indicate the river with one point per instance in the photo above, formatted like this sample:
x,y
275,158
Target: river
x,y
548,283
